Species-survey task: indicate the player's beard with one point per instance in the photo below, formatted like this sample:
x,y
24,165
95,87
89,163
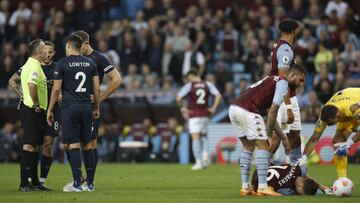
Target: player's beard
x,y
292,87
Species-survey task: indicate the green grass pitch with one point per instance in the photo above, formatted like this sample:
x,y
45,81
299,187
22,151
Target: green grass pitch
x,y
160,183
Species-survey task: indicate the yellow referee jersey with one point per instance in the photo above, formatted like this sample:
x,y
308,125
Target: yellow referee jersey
x,y
343,100
33,73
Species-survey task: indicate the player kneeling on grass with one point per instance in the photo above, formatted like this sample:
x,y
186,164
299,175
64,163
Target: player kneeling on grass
x,y
245,116
291,179
338,110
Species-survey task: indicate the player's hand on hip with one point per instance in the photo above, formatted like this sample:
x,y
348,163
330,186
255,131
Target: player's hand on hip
x,y
286,144
59,98
50,118
92,99
303,160
354,107
95,114
184,112
341,148
211,111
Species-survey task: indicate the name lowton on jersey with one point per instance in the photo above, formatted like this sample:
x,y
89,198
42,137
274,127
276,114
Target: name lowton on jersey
x,y
79,64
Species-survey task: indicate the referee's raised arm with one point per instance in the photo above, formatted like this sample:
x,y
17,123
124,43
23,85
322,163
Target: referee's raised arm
x,y
34,88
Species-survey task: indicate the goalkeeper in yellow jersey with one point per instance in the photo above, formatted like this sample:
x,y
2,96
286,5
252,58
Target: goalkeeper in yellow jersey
x,y
343,110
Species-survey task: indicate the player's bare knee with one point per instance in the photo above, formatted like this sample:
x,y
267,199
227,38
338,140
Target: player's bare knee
x,y
74,146
48,139
249,148
93,144
247,144
88,146
47,150
195,136
262,144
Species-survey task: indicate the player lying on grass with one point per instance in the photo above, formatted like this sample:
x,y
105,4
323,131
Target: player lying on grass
x,y
338,111
291,179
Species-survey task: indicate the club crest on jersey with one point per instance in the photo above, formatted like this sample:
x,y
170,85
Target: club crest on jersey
x,y
286,59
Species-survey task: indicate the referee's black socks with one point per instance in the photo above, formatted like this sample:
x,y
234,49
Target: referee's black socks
x,y
28,168
75,162
34,168
25,168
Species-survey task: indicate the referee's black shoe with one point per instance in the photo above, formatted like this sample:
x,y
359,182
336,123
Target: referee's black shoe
x,y
28,188
41,187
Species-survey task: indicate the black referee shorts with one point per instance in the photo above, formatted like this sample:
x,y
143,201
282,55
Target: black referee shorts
x,y
34,124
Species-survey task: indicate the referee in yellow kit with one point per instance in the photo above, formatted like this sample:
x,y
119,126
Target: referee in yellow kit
x,y
33,115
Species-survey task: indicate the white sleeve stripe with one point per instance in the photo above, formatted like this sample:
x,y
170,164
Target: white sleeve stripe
x,y
108,68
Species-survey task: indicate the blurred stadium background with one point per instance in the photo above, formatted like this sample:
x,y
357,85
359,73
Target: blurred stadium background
x,y
147,41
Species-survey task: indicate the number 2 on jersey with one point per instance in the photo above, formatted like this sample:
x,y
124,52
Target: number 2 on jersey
x,y
200,93
80,88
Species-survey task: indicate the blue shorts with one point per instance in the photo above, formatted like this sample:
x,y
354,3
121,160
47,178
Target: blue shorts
x,y
76,122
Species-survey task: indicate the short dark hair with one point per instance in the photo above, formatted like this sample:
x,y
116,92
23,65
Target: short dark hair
x,y
328,112
75,40
192,72
310,186
49,43
288,25
83,35
33,45
298,68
